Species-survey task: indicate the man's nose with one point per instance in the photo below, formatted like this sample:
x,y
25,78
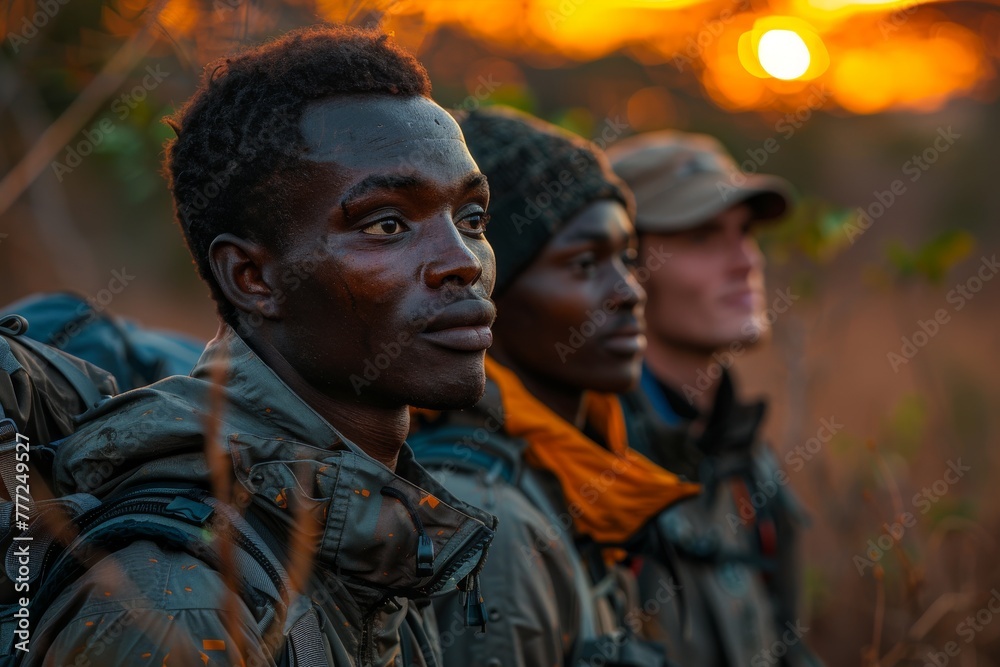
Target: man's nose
x,y
626,291
452,259
746,254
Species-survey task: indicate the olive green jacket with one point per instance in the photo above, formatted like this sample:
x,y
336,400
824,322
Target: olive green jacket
x,y
149,605
550,599
726,559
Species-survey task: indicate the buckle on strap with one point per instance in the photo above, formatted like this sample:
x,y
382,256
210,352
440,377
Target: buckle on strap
x,y
8,434
8,457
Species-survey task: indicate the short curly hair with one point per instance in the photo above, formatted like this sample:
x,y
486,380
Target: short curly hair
x,y
238,144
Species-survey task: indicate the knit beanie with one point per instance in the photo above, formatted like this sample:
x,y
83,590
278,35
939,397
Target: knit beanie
x,y
540,176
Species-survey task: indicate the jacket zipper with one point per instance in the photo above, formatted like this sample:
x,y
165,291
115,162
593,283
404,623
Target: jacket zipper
x,y
366,648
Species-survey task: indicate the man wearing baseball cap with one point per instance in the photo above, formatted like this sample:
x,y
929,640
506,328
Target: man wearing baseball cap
x,y
730,549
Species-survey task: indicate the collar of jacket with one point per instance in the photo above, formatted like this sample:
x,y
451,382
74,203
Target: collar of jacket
x,y
366,520
731,429
730,425
488,444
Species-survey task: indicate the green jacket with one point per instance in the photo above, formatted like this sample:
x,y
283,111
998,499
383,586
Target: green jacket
x,y
147,605
732,549
550,598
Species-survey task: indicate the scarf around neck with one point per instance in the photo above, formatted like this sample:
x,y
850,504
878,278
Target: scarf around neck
x,y
610,491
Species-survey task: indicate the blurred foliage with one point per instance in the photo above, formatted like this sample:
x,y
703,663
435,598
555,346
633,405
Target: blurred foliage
x,y
904,428
934,259
815,228
949,508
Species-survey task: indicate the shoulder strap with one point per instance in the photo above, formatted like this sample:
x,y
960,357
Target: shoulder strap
x,y
8,429
459,447
83,385
189,520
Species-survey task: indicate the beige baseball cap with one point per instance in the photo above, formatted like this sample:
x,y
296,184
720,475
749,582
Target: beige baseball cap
x,y
681,179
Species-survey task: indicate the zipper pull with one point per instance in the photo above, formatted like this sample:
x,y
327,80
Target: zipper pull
x,y
475,608
425,547
425,555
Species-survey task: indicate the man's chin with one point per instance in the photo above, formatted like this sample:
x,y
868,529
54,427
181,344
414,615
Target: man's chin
x,y
453,393
752,333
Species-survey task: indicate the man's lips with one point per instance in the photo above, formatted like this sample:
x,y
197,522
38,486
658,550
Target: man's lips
x,y
740,297
463,326
626,339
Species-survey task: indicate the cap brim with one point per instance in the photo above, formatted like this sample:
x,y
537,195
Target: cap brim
x,y
703,196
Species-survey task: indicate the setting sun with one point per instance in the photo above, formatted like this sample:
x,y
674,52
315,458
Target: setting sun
x,y
783,54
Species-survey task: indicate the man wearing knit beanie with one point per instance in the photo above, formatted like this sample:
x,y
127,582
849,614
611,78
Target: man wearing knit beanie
x,y
546,449
732,547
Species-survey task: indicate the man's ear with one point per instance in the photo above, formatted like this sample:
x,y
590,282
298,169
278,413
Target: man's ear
x,y
241,269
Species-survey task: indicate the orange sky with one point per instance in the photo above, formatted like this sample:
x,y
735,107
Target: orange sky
x,y
864,56
859,56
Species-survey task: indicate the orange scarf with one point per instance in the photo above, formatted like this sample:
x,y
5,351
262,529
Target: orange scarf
x,y
610,493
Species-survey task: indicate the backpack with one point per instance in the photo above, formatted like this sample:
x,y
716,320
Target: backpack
x,y
46,542
134,355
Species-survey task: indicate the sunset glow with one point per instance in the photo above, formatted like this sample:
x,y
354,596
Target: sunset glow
x,y
866,55
783,54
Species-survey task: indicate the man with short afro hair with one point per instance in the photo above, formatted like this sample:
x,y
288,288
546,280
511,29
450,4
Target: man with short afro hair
x,y
238,151
338,218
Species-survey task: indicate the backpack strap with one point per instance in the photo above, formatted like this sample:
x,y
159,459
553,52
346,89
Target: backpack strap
x,y
456,448
83,385
10,326
8,456
190,520
15,326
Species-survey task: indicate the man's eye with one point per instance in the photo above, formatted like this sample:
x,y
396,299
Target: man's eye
x,y
476,222
388,227
630,258
585,266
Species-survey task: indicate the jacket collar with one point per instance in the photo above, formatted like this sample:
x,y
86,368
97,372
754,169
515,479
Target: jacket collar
x,y
729,426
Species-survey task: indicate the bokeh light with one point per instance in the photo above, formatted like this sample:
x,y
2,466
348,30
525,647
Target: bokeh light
x,y
783,54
